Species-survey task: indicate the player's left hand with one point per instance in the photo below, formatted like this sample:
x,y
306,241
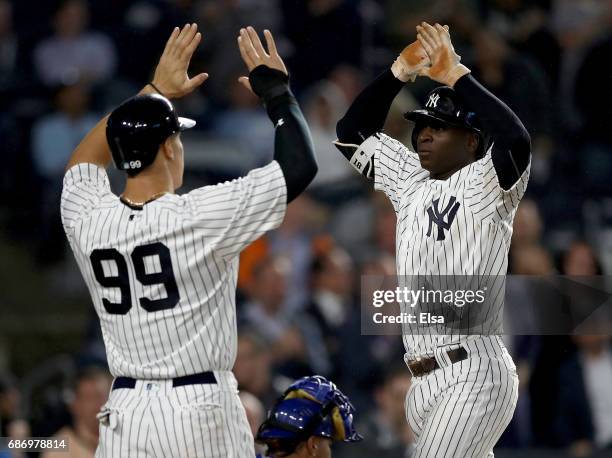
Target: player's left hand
x,y
171,76
253,53
446,67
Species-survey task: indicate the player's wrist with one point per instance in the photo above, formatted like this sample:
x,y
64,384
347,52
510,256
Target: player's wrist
x,y
455,74
157,89
399,70
269,83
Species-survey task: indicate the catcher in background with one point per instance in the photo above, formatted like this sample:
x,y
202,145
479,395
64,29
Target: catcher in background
x,y
309,416
455,199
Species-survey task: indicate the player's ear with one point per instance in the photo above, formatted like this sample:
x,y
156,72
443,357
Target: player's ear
x,y
472,142
169,147
311,446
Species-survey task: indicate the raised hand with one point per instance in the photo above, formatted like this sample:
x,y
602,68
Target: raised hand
x,y
171,76
445,62
409,63
253,53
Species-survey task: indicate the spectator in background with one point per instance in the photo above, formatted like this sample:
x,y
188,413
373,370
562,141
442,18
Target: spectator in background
x,y
294,240
255,413
324,105
296,343
529,262
332,296
54,137
348,79
221,20
246,124
584,410
396,125
89,393
580,260
387,433
525,25
527,228
12,426
74,52
253,367
386,223
577,24
365,356
520,81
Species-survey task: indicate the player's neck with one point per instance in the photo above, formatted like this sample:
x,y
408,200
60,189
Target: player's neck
x,y
144,186
446,175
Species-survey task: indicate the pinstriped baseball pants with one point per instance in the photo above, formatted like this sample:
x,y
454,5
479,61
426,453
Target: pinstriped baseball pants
x,y
156,420
461,409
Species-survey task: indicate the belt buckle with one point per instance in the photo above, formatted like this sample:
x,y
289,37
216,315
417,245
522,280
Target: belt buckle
x,y
409,362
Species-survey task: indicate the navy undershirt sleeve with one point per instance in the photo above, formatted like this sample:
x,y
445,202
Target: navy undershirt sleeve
x,y
511,142
367,114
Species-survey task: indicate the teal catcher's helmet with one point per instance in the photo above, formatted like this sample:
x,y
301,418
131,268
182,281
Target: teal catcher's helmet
x,y
312,406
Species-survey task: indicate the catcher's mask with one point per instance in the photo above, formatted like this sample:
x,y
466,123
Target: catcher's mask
x,y
312,406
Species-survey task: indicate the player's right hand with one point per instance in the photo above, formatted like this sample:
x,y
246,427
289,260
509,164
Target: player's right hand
x,y
171,76
410,62
253,53
445,62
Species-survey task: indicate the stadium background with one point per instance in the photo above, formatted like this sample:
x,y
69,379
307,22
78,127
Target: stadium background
x,y
63,64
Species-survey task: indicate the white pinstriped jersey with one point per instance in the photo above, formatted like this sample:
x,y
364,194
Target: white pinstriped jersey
x,y
163,278
458,226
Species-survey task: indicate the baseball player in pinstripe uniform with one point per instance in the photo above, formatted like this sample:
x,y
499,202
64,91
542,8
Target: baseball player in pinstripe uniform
x,y
455,201
161,268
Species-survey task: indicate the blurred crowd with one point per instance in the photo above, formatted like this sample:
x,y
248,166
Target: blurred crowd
x,y
65,63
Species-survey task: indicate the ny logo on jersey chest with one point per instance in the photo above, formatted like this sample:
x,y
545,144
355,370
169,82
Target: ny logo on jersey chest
x,y
443,219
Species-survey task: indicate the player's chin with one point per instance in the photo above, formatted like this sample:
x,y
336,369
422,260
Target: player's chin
x,y
426,162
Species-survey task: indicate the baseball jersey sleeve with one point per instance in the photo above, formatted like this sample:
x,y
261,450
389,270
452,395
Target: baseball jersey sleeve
x,y
237,212
84,186
494,201
393,165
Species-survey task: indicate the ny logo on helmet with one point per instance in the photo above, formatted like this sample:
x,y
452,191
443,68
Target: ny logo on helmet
x,y
433,101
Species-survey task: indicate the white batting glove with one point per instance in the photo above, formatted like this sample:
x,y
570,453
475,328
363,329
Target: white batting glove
x,y
412,60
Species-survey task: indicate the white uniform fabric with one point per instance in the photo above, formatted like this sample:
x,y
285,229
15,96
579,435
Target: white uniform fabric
x,y
156,420
461,226
163,278
461,409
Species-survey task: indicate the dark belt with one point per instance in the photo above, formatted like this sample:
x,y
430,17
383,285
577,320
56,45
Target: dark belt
x,y
196,379
420,367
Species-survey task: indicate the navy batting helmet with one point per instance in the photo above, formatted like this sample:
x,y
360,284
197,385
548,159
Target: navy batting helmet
x,y
312,406
444,107
136,129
